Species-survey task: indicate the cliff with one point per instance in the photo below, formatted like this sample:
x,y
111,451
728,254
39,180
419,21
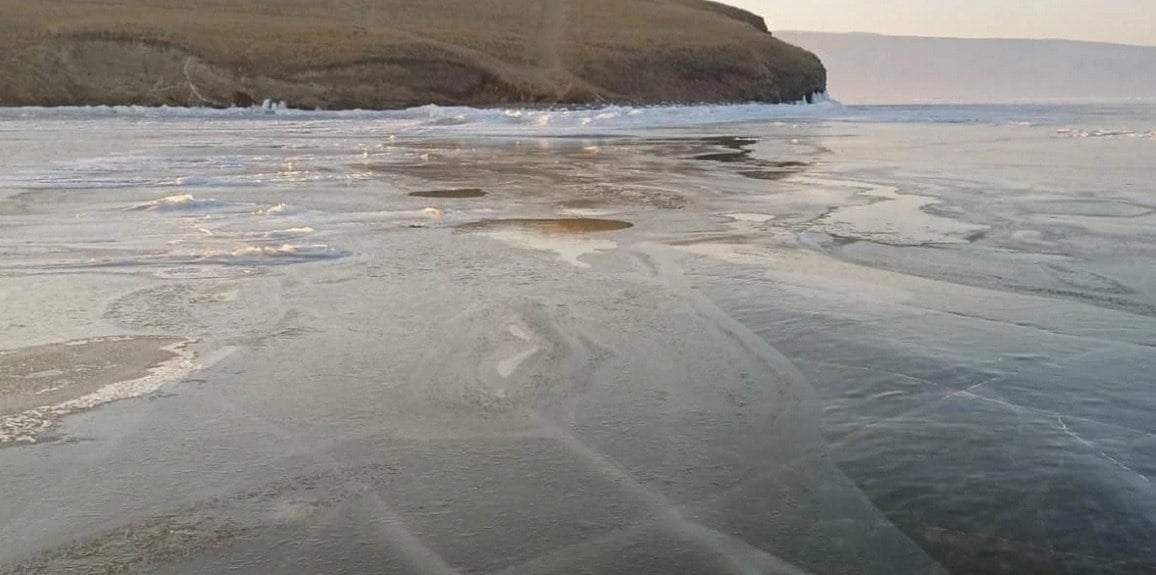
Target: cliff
x,y
393,53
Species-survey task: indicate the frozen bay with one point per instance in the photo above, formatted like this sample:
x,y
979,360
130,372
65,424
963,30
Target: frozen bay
x,y
722,339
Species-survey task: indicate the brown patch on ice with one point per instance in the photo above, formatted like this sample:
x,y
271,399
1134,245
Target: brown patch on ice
x,y
769,175
582,204
561,226
725,157
457,194
775,171
41,384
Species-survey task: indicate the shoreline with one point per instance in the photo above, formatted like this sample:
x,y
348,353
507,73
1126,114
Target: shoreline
x,y
813,98
274,107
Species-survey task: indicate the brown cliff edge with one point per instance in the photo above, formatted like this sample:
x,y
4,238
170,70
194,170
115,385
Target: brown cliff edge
x,y
375,54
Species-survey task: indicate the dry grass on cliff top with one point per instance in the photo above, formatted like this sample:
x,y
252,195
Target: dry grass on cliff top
x,y
342,30
518,41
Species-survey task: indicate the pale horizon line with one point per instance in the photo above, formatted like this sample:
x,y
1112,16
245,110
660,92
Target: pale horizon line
x,y
975,38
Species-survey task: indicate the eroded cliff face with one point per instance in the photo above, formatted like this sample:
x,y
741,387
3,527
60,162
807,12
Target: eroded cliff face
x,y
394,53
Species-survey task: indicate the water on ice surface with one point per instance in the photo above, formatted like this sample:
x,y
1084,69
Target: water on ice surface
x,y
717,339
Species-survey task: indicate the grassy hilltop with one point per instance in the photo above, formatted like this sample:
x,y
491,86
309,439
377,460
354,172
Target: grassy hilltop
x,y
393,53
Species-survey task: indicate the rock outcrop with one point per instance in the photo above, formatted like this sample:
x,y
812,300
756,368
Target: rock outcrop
x,y
393,53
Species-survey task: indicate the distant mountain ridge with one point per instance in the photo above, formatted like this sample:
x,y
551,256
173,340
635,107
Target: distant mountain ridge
x,y
876,69
394,53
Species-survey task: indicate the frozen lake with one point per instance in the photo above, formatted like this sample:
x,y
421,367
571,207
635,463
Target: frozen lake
x,y
748,339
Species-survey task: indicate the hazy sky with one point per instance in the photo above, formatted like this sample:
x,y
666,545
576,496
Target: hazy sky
x,y
1121,21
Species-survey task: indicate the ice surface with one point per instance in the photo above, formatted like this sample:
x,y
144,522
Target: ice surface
x,y
842,340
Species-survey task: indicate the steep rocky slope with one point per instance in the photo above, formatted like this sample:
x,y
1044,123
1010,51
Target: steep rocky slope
x,y
393,53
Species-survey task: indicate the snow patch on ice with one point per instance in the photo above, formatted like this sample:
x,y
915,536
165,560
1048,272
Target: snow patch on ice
x,y
284,251
27,426
570,249
750,217
289,233
508,366
1081,133
280,210
890,217
180,202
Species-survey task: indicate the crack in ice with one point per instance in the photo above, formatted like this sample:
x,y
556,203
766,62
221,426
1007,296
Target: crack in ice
x,y
1064,427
